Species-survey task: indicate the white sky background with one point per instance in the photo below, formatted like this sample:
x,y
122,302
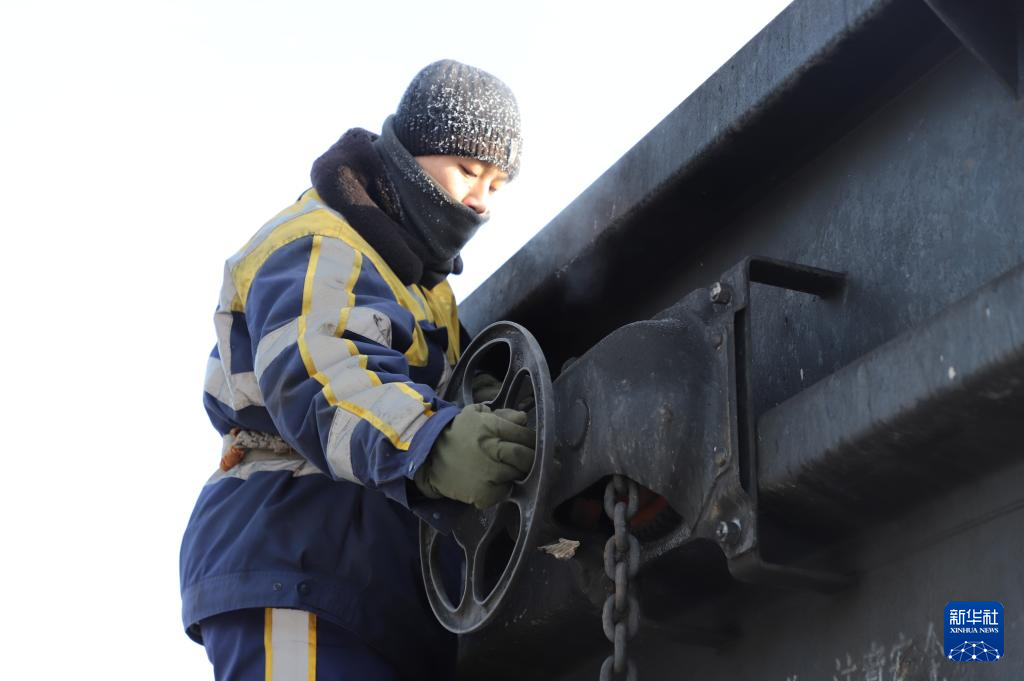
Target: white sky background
x,y
141,143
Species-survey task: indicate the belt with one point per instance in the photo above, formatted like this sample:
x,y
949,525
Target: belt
x,y
247,451
250,444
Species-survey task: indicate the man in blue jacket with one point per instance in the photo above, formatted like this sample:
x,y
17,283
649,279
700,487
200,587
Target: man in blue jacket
x,y
336,328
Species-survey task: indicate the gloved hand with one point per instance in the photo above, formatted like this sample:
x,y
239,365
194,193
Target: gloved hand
x,y
477,456
485,387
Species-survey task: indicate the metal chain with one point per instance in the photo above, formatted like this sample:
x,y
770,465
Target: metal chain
x,y
620,616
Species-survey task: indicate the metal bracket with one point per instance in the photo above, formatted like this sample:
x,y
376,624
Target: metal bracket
x,y
992,30
737,512
665,403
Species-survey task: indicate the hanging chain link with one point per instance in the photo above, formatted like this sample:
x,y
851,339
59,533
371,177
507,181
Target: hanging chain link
x,y
620,616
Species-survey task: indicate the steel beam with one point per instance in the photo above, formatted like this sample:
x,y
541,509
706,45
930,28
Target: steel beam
x,y
807,79
934,408
990,30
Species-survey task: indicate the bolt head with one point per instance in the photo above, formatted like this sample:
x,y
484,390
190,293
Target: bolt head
x,y
728,531
720,293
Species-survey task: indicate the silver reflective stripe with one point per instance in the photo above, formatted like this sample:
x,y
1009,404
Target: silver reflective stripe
x,y
216,384
347,377
238,391
389,403
332,293
245,390
371,324
273,344
388,407
325,349
222,322
446,376
332,278
318,203
228,292
329,295
339,445
259,461
291,651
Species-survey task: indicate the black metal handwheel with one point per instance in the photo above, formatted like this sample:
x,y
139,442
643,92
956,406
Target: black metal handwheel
x,y
495,541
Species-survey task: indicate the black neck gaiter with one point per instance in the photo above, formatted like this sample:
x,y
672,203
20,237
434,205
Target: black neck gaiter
x,y
439,222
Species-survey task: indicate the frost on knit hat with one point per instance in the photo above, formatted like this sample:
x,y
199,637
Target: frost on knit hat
x,y
454,109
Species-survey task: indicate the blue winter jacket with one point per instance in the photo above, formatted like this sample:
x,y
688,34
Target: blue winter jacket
x,y
318,341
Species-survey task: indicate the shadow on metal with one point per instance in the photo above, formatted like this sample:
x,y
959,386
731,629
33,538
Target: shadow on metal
x,y
666,403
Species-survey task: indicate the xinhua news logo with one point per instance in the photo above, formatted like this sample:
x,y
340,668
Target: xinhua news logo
x,y
974,631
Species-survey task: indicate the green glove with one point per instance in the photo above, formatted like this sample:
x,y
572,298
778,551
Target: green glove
x,y
477,456
485,387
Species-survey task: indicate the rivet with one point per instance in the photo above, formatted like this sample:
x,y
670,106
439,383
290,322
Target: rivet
x,y
721,294
728,531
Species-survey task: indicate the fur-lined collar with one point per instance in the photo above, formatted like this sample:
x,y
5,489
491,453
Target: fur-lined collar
x,y
350,178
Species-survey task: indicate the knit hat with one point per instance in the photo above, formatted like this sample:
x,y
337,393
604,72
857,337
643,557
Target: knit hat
x,y
454,109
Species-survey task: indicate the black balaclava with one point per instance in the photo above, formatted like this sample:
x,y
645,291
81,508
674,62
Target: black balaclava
x,y
452,109
441,224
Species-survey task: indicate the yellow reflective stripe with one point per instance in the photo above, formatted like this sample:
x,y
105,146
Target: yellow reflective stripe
x,y
411,392
311,670
417,353
303,205
268,644
390,433
324,222
231,298
396,404
441,300
321,221
307,301
363,359
417,293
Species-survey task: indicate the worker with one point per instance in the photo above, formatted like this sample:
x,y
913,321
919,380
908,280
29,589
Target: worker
x,y
336,328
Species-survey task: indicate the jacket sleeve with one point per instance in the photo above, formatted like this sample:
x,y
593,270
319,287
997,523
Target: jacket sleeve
x,y
332,347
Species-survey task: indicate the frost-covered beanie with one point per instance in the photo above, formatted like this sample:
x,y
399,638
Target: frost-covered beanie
x,y
454,109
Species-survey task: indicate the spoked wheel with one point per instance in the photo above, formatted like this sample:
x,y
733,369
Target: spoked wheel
x,y
495,541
